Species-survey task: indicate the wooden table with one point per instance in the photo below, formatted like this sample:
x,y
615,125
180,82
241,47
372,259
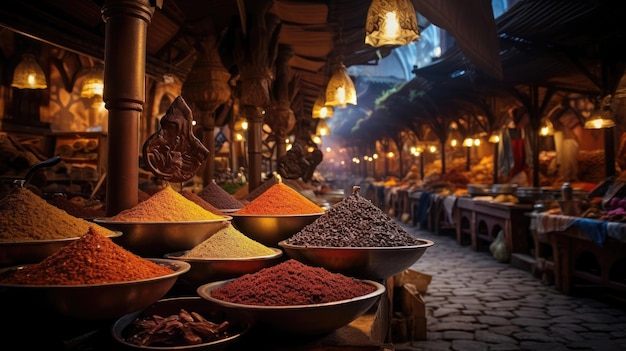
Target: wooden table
x,y
579,261
482,220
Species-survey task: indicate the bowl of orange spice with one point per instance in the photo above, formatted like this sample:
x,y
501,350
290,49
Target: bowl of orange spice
x,y
166,222
92,278
276,214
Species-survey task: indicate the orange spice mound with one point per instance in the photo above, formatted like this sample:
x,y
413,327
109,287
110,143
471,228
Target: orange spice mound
x,y
91,259
167,205
280,199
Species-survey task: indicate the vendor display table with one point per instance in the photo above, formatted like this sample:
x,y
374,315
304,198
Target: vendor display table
x,y
482,220
585,252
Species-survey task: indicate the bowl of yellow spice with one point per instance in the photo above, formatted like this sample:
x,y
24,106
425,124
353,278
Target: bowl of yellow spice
x,y
276,214
166,222
226,254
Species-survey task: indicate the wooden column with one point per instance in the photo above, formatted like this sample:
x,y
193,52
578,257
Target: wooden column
x,y
124,96
256,75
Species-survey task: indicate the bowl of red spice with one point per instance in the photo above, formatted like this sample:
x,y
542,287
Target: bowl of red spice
x,y
92,278
294,298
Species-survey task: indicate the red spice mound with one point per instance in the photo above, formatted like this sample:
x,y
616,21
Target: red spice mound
x,y
91,259
291,283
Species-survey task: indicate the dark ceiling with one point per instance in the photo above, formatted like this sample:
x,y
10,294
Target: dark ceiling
x,y
320,32
573,44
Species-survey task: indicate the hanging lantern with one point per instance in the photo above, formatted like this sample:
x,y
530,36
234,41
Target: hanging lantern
x,y
28,74
391,22
322,128
340,90
320,109
93,85
600,118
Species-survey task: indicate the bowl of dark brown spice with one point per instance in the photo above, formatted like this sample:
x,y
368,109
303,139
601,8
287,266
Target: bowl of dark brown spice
x,y
356,238
181,323
92,278
291,298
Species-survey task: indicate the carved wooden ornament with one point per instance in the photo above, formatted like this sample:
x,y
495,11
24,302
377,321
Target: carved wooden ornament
x,y
173,153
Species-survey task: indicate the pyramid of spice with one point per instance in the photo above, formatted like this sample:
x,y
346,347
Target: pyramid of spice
x,y
353,222
280,199
24,216
229,243
166,205
91,259
291,283
218,197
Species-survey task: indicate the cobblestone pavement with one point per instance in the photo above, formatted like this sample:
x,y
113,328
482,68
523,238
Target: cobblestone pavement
x,y
476,303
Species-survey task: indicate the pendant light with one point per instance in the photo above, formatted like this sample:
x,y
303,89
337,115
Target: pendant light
x,y
28,74
322,128
340,90
600,118
391,22
93,85
321,109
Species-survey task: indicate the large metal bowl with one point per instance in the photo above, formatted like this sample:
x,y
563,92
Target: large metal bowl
x,y
271,229
206,270
360,262
315,319
239,324
155,239
97,301
33,251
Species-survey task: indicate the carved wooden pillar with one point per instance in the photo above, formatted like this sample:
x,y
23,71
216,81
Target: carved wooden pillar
x,y
255,55
207,88
124,96
280,116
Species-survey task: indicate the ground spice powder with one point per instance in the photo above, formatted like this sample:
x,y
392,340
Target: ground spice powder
x,y
280,199
24,216
200,201
218,197
291,283
91,259
229,243
166,205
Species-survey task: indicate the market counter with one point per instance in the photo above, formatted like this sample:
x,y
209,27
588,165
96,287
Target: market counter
x,y
482,220
585,252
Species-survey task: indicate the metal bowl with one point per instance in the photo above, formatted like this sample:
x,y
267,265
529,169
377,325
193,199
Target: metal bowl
x,y
361,262
239,324
205,270
33,251
159,238
270,229
98,301
315,319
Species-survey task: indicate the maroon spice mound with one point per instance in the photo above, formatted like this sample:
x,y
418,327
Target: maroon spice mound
x,y
291,283
218,197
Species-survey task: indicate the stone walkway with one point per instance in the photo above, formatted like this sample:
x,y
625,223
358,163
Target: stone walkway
x,y
474,303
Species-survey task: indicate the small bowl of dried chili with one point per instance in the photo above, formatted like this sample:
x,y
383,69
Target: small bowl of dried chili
x,y
181,323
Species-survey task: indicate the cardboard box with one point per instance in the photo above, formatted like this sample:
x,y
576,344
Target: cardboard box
x,y
409,307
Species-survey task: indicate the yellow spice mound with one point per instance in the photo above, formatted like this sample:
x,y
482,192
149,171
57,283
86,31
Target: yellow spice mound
x,y
229,243
167,205
24,216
